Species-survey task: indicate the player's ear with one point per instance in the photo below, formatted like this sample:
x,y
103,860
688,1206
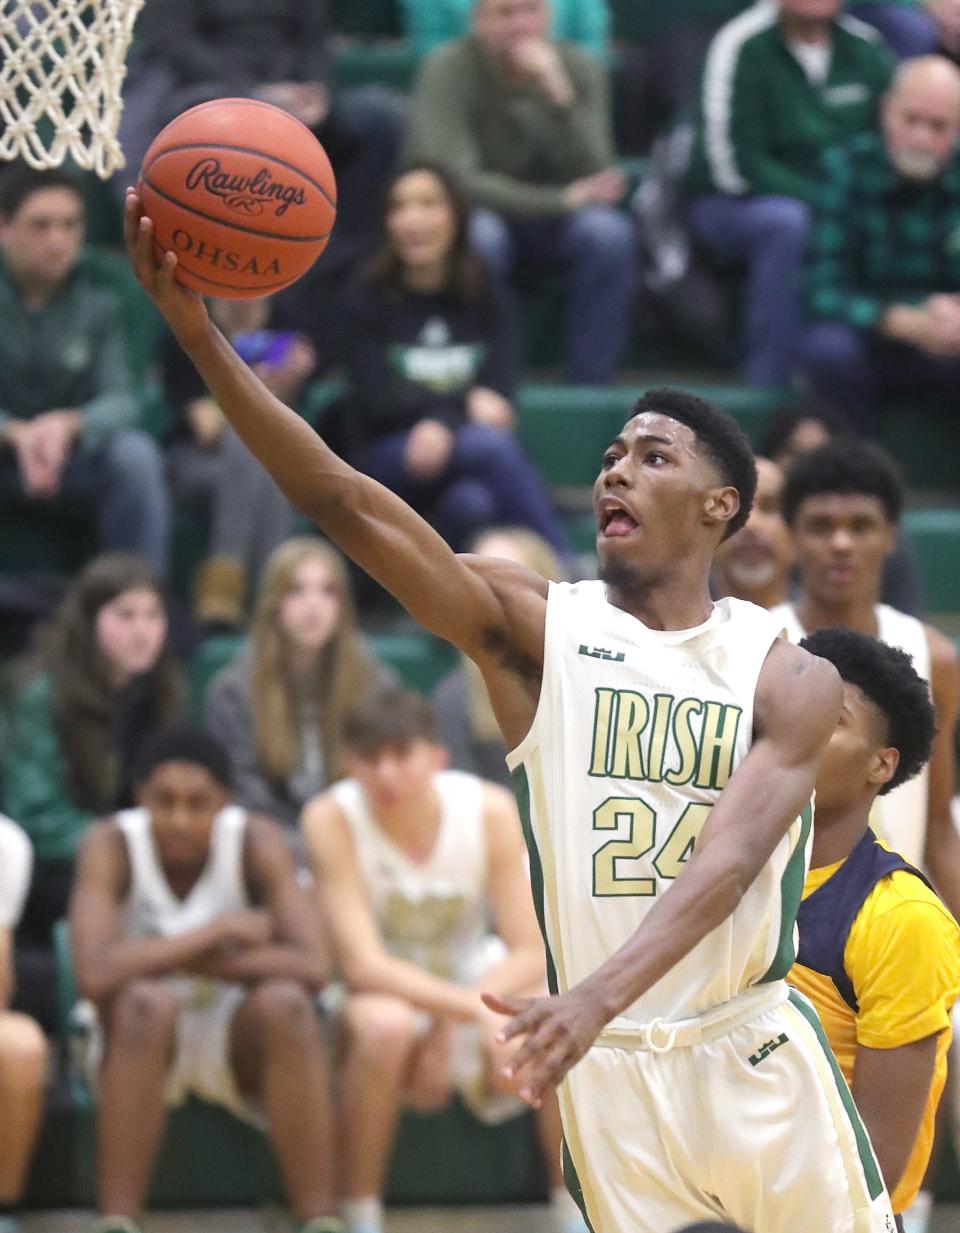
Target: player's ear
x,y
721,504
884,766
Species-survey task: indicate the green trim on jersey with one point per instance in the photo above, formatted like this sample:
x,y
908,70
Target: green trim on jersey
x,y
791,890
521,787
573,1183
868,1162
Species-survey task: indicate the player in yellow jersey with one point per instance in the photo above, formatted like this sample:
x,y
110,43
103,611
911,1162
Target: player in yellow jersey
x,y
879,952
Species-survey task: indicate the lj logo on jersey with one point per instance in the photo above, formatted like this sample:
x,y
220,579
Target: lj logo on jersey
x,y
599,652
767,1048
671,740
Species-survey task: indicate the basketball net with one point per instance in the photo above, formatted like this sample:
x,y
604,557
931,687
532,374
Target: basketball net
x,y
62,64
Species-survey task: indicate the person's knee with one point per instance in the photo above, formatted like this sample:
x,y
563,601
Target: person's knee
x,y
490,239
603,233
380,1030
23,1051
831,347
783,219
284,1009
134,458
143,1016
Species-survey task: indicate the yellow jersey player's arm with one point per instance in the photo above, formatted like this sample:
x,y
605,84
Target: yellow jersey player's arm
x,y
942,846
460,598
796,708
903,959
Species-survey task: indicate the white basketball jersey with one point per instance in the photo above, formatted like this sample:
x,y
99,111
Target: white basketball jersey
x,y
152,909
433,913
900,817
636,733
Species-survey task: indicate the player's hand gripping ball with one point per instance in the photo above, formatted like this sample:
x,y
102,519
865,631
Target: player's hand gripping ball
x,y
243,193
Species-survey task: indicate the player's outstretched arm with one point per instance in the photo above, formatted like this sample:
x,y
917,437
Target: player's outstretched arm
x,y
452,596
796,709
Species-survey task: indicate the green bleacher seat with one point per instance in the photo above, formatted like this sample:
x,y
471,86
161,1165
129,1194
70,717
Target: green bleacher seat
x,y
370,19
383,64
935,534
565,428
923,440
419,659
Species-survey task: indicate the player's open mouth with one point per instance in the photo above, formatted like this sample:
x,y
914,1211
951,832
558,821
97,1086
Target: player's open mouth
x,y
614,521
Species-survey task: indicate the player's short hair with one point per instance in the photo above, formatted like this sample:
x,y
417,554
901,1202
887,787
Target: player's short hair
x,y
781,427
721,438
20,181
390,717
184,744
886,677
848,466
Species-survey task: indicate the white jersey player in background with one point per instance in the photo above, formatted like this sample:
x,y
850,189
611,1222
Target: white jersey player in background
x,y
666,750
421,873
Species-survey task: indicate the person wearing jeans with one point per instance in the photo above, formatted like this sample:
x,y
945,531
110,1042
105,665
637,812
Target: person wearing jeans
x,y
523,122
67,407
779,88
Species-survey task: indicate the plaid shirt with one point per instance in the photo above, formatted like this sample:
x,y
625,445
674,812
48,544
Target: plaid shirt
x,y
879,239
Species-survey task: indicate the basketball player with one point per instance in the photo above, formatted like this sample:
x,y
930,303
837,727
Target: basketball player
x,y
879,953
664,754
200,952
843,503
412,863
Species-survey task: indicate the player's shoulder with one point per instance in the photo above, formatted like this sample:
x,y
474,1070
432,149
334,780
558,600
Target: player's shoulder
x,y
943,652
798,694
903,894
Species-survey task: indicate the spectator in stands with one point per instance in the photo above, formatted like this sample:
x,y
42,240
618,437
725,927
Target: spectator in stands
x,y
465,717
67,409
203,958
278,51
214,474
885,260
279,707
797,431
755,563
782,82
913,27
524,123
431,23
23,1047
102,679
411,863
431,359
843,503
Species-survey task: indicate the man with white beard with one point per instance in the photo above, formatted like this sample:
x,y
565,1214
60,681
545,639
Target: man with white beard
x,y
885,260
755,563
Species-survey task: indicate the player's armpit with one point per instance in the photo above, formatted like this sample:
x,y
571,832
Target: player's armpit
x,y
890,1087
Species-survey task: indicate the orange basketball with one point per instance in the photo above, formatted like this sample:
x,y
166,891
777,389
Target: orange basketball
x,y
243,193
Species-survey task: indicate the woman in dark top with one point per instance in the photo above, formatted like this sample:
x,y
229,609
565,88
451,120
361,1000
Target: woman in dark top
x,y
431,357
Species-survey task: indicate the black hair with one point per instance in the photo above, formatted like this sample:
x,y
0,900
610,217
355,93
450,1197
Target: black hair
x,y
389,717
467,276
844,467
781,428
184,744
721,437
887,678
21,181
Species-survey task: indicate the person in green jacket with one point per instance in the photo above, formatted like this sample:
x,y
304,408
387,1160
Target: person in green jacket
x,y
782,83
103,678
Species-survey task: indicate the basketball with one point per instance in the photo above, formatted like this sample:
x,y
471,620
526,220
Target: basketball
x,y
243,193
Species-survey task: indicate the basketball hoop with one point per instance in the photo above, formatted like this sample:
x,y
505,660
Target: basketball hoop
x,y
62,64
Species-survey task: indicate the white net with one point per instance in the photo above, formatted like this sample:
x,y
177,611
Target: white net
x,y
62,69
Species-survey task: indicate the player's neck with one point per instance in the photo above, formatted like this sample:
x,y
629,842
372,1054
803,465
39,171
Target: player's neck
x,y
675,602
836,832
818,613
413,825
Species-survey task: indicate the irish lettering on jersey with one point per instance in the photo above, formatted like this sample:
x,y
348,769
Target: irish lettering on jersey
x,y
631,738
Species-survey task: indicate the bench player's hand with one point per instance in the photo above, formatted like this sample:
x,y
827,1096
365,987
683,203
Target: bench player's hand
x,y
184,310
558,1031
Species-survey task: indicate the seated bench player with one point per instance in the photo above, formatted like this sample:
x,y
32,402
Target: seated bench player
x,y
412,863
202,956
879,952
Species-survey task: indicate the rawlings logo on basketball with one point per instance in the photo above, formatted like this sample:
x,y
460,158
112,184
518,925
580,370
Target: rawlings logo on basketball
x,y
244,194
